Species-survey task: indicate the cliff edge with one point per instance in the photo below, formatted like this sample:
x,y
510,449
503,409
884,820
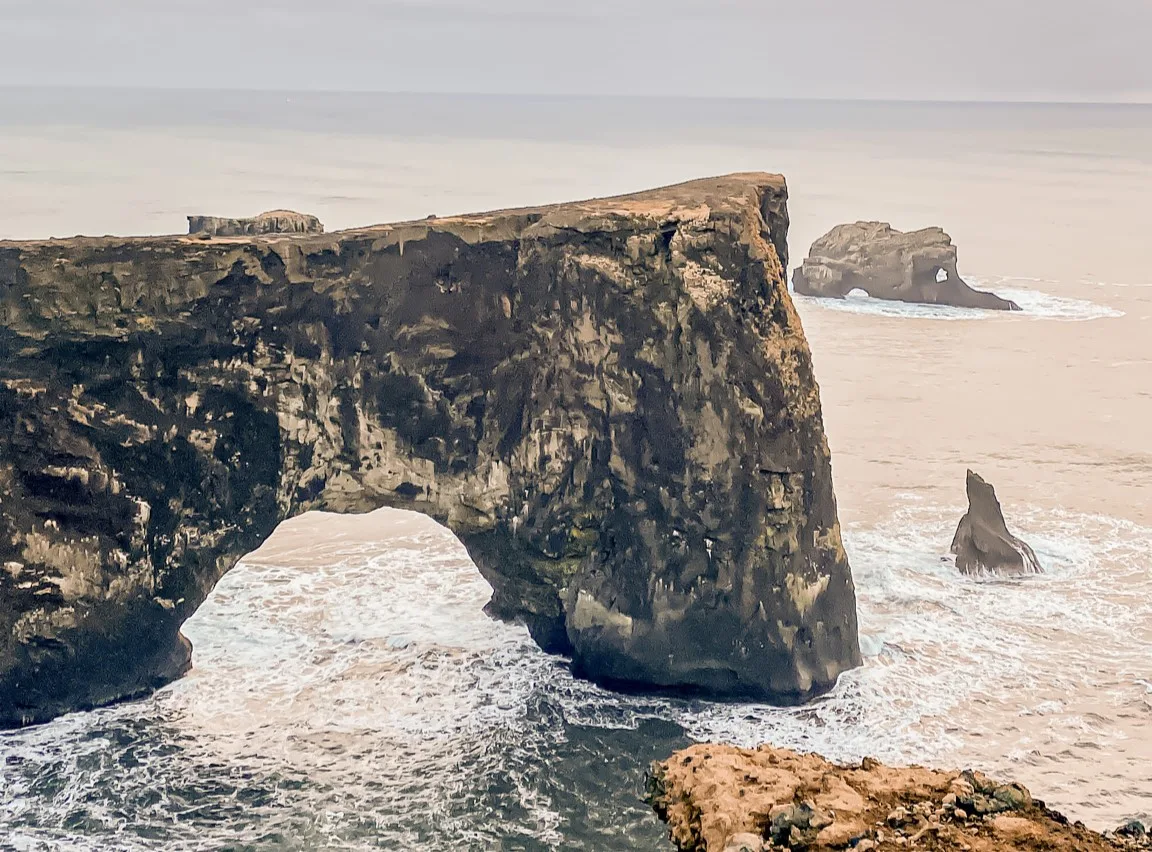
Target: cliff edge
x,y
611,403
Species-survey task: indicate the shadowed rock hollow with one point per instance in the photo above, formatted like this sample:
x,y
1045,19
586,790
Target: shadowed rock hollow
x,y
918,266
982,541
611,404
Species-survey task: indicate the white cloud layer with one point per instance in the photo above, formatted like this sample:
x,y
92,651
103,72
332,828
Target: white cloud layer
x,y
919,49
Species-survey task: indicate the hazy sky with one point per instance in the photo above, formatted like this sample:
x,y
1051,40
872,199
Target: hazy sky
x,y
982,49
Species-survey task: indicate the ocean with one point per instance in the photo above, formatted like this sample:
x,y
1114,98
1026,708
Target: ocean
x,y
347,690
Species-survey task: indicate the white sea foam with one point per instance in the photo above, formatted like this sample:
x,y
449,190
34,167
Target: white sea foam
x,y
1033,301
949,658
369,692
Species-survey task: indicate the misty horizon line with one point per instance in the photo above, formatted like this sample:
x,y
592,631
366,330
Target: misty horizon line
x,y
601,96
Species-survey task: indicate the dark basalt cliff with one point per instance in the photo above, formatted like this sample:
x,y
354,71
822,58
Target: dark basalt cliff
x,y
611,403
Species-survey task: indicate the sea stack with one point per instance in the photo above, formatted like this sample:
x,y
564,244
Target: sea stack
x,y
918,266
982,542
271,222
611,403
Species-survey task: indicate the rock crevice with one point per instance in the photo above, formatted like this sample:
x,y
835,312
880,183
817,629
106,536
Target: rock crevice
x,y
611,403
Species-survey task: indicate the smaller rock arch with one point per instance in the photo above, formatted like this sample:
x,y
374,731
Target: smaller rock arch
x,y
918,266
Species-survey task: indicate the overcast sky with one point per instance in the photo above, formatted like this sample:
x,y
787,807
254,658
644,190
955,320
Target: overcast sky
x,y
921,49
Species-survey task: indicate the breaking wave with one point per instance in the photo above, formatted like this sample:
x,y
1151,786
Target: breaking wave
x,y
1034,304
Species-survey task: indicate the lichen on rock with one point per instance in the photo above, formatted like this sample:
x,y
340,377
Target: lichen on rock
x,y
611,403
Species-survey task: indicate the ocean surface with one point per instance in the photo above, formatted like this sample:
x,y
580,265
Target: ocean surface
x,y
348,692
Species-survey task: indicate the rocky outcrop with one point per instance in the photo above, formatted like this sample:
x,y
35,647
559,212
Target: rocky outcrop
x,y
918,266
982,542
718,798
272,222
611,403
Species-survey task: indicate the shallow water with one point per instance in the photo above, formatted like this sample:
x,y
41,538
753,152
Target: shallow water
x,y
348,693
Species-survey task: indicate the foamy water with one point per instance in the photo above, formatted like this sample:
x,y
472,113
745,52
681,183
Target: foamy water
x,y
347,690
352,695
1028,293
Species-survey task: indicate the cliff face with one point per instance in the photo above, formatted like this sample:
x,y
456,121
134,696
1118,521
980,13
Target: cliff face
x,y
611,403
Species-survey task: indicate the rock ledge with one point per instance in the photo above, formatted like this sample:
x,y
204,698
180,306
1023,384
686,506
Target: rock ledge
x,y
718,798
271,222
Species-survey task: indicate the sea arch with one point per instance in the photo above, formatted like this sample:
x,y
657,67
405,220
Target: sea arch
x,y
610,403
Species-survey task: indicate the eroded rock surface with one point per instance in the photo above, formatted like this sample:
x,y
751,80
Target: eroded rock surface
x,y
918,266
718,798
611,403
983,543
271,222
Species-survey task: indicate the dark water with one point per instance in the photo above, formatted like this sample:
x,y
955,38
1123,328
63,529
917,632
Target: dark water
x,y
146,784
349,697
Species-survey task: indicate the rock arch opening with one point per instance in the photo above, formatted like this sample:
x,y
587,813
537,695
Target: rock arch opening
x,y
334,614
917,266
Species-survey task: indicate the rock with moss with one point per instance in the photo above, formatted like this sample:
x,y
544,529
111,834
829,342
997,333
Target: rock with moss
x,y
716,798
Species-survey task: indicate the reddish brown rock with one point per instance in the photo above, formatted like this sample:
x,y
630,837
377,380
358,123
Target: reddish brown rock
x,y
715,797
